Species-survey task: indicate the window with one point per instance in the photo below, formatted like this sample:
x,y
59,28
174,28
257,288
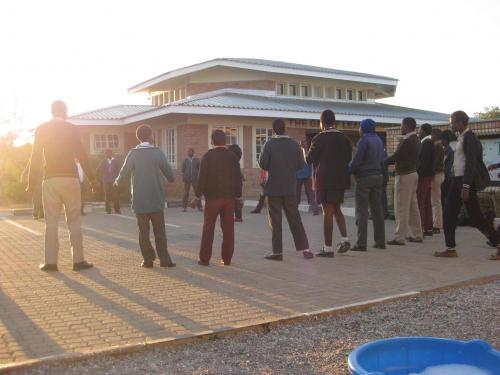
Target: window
x,y
318,91
231,134
262,135
171,146
304,90
102,142
329,92
338,93
360,95
350,95
281,89
292,90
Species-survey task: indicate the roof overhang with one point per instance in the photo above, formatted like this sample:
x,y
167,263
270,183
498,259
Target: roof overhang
x,y
347,76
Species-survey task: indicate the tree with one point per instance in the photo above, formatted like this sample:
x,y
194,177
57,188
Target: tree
x,y
489,113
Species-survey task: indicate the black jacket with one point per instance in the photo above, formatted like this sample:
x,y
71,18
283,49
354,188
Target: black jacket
x,y
475,173
426,160
330,153
191,170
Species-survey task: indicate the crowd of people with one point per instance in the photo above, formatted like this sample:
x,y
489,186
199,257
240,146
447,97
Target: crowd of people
x,y
432,182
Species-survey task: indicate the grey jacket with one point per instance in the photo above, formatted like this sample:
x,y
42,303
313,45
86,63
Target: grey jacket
x,y
190,170
282,157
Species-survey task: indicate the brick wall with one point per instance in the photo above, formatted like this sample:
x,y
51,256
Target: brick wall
x,y
197,88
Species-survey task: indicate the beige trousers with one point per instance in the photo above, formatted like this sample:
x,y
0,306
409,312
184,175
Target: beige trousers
x,y
437,208
406,207
58,192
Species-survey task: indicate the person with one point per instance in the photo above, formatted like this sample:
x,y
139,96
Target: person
x,y
36,197
366,166
385,182
221,184
304,178
330,154
405,186
282,158
437,181
57,145
147,165
82,179
446,138
262,196
238,209
425,171
108,171
470,176
190,171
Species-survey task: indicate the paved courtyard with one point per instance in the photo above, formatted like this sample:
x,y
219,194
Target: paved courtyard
x,y
118,303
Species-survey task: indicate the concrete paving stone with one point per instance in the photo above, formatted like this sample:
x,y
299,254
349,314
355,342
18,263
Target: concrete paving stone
x,y
118,303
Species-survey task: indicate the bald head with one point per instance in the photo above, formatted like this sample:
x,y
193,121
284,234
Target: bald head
x,y
59,109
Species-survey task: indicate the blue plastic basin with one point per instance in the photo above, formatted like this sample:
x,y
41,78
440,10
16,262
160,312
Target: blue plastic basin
x,y
404,355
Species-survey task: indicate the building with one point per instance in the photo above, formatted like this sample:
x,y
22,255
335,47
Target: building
x,y
243,97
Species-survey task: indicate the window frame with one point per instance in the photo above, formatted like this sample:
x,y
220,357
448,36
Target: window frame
x,y
255,161
95,151
239,138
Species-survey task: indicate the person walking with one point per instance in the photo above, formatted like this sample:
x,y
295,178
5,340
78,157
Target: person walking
x,y
238,209
282,158
304,178
190,171
425,171
36,196
437,181
57,145
221,184
330,154
108,171
470,177
147,165
366,165
406,209
449,154
262,196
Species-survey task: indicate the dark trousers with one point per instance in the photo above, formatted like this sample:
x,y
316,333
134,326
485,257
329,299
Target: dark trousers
x,y
289,205
369,194
157,219
424,202
223,207
311,198
445,188
111,195
238,213
452,209
187,187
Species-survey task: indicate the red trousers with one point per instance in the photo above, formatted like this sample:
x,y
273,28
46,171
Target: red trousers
x,y
213,208
424,202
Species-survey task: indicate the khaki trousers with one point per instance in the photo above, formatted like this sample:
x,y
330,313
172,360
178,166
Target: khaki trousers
x,y
406,207
58,192
437,207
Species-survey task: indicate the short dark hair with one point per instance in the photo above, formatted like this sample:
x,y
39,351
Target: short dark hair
x,y
461,117
410,122
279,126
448,136
437,133
426,128
218,137
59,109
327,117
144,133
236,150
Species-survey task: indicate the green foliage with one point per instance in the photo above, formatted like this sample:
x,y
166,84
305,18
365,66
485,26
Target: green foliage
x,y
489,113
13,160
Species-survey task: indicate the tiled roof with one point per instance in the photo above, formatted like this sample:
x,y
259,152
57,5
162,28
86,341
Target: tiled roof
x,y
115,112
285,103
242,102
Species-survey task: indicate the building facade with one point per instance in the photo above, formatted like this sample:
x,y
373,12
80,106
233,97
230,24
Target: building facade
x,y
243,97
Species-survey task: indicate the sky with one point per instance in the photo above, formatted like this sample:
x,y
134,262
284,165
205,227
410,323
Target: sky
x,y
87,53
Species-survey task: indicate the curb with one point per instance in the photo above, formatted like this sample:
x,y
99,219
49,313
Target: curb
x,y
264,326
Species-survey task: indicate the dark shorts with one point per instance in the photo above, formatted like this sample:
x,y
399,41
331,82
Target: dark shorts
x,y
330,196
